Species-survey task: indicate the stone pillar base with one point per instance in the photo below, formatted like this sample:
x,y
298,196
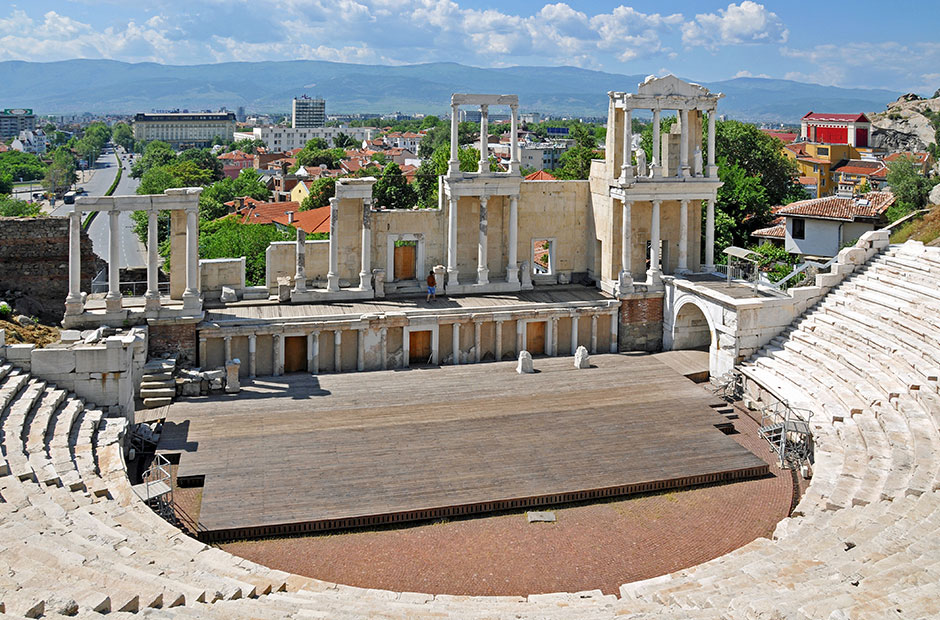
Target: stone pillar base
x,y
191,301
452,278
654,279
73,308
624,284
332,282
483,275
152,303
113,304
365,281
512,274
712,172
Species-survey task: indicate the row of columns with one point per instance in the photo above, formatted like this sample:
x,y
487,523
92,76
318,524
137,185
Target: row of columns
x,y
512,268
484,163
627,169
313,344
114,300
655,268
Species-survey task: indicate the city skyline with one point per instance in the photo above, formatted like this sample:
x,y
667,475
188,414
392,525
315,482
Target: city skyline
x,y
701,40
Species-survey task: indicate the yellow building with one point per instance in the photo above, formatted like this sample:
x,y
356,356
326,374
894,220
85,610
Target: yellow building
x,y
815,161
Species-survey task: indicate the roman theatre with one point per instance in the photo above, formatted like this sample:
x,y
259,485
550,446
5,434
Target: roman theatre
x,y
592,420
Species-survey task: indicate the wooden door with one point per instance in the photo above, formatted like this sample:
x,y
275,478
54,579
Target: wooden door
x,y
535,338
419,347
404,262
295,354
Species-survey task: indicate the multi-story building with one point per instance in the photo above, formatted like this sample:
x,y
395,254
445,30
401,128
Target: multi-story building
x,y
307,112
853,129
288,138
13,121
183,130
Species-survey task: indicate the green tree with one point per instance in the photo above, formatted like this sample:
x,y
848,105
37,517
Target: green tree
x,y
227,238
10,207
743,198
21,166
203,158
759,155
6,183
343,141
392,190
321,191
314,157
123,136
177,174
436,165
909,186
60,174
246,145
156,153
246,184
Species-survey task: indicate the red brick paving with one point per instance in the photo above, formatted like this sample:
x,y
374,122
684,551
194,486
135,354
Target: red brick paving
x,y
600,545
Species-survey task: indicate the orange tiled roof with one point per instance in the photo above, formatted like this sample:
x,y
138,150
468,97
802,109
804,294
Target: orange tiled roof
x,y
920,158
784,136
540,175
777,231
872,205
257,212
862,167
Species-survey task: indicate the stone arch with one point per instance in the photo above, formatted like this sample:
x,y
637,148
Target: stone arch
x,y
691,327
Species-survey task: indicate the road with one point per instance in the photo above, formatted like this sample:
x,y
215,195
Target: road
x,y
133,253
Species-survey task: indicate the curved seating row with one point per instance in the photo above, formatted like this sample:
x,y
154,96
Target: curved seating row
x,y
862,543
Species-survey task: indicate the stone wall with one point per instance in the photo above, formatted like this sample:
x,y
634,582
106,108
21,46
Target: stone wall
x,y
173,337
641,322
34,259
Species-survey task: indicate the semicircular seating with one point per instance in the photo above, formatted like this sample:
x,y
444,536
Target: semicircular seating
x,y
862,543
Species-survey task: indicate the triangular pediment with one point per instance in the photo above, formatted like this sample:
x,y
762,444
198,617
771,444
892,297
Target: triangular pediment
x,y
671,85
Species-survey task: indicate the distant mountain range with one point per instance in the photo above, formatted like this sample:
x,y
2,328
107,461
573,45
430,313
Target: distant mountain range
x,y
100,86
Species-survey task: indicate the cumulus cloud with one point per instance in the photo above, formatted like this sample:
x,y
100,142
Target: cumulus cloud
x,y
869,64
748,22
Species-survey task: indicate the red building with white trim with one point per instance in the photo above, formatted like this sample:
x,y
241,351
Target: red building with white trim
x,y
853,129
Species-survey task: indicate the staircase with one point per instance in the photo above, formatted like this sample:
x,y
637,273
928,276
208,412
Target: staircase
x,y
158,383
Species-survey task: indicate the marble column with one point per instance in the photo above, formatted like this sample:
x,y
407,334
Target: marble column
x,y
520,336
228,348
574,333
483,272
514,140
452,242
300,274
313,353
383,348
554,349
512,269
655,166
614,325
498,351
484,139
683,237
453,166
252,356
627,174
73,303
332,276
712,170
455,340
654,273
626,247
113,299
593,333
365,271
278,355
361,355
203,355
191,294
710,236
405,347
477,341
152,296
338,350
684,169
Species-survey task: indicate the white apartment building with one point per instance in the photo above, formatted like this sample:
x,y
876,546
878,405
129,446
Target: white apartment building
x,y
307,113
279,139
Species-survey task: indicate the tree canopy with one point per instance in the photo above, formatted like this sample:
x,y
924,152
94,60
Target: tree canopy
x,y
123,136
11,207
392,190
247,183
19,165
60,174
227,238
156,153
321,191
909,186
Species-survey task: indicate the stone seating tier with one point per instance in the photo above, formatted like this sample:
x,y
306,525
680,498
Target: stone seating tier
x,y
862,543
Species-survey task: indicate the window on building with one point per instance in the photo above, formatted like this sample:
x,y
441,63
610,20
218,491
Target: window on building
x,y
822,151
798,230
543,256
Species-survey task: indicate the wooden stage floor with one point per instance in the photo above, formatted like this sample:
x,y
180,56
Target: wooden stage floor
x,y
304,453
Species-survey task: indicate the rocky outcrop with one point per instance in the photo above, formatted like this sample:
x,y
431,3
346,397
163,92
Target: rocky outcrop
x,y
903,126
895,140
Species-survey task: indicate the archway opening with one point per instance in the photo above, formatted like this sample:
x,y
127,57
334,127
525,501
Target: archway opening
x,y
691,329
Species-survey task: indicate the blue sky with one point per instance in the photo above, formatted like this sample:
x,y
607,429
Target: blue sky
x,y
872,44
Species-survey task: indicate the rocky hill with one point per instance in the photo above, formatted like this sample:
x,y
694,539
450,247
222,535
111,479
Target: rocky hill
x,y
903,126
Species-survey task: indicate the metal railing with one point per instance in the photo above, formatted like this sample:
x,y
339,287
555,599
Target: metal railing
x,y
130,288
809,267
154,479
788,432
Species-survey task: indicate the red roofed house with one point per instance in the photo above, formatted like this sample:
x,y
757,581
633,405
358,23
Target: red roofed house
x,y
281,214
820,226
234,162
853,129
924,161
784,136
848,174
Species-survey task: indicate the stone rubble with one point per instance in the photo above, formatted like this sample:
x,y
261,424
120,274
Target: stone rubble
x,y
524,365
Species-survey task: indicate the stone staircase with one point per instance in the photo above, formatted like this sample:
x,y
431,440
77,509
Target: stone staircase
x,y
864,541
158,382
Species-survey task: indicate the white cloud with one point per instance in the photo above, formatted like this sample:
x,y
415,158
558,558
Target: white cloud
x,y
909,66
744,73
748,22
